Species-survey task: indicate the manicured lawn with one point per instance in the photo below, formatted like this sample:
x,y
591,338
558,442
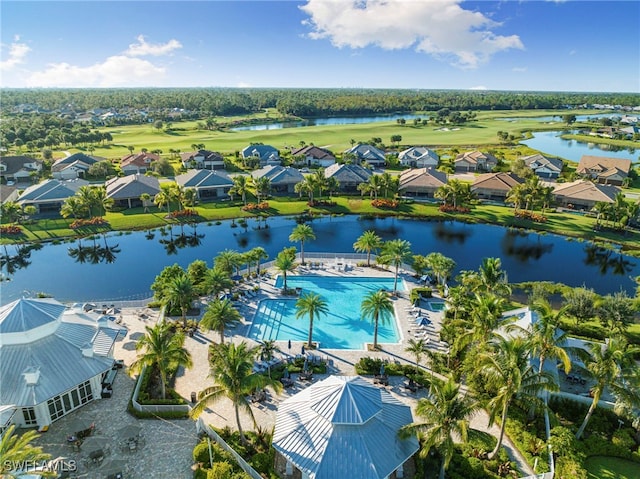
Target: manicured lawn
x,y
603,467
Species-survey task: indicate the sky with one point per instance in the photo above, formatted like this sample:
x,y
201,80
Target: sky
x,y
561,45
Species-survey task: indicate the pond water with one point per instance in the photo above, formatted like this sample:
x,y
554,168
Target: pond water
x,y
550,143
123,265
337,120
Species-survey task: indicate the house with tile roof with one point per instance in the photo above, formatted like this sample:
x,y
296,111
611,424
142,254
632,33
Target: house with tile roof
x,y
264,154
544,167
363,153
421,182
209,184
126,190
494,186
283,178
474,161
18,168
202,160
74,166
314,156
349,176
137,163
50,195
609,171
584,194
54,359
419,157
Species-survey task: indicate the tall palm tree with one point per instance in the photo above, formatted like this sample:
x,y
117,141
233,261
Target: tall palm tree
x,y
517,195
396,252
146,199
368,241
375,185
16,449
162,199
312,305
268,348
216,281
285,263
610,367
227,260
493,278
162,350
232,372
241,187
446,415
262,186
417,347
377,306
441,266
220,315
507,373
179,293
259,254
302,233
73,207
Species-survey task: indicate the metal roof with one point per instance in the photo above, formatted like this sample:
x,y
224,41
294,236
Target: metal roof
x,y
343,427
26,314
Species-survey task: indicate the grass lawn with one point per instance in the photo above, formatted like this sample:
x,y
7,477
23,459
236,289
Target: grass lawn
x,y
604,467
335,137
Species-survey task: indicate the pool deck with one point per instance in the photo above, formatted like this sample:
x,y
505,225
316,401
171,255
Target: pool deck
x,y
167,452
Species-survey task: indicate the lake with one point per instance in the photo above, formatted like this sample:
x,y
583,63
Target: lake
x,y
122,266
337,120
550,143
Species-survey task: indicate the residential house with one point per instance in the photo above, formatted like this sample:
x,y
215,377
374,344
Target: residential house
x,y
314,156
349,176
54,359
421,182
343,426
474,161
494,186
8,193
264,154
18,169
584,194
419,157
74,166
544,167
202,160
363,153
630,132
50,195
209,184
611,171
283,179
126,190
137,163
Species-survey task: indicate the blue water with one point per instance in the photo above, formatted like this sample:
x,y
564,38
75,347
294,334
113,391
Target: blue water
x,y
338,120
341,328
550,143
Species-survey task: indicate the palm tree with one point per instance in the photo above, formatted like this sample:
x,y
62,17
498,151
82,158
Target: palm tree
x,y
368,241
227,260
377,306
493,278
220,315
375,185
161,199
517,195
546,339
262,186
179,293
507,372
302,233
216,281
285,263
259,254
146,199
241,187
74,207
396,252
232,372
446,415
417,347
440,265
609,366
162,350
16,449
267,349
312,305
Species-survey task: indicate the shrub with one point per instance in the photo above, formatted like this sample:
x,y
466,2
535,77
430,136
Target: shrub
x,y
385,203
321,203
264,205
95,221
10,230
201,454
454,209
530,215
220,470
261,462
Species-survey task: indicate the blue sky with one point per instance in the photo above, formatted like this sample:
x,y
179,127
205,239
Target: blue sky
x,y
431,44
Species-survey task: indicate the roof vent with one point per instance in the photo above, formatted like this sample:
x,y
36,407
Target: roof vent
x,y
87,350
31,375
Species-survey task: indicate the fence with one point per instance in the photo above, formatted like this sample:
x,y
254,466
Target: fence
x,y
154,408
244,465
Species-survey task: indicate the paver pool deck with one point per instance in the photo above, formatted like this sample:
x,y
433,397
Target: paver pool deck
x,y
167,452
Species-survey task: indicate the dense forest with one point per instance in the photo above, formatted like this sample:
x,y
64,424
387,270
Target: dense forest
x,y
206,102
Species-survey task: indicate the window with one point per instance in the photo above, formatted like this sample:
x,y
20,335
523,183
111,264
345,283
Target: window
x,y
86,394
29,415
55,408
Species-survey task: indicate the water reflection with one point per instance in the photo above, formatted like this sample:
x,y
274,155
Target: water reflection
x,y
519,245
607,260
173,242
95,253
448,233
21,258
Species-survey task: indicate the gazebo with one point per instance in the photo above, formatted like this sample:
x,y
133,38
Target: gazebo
x,y
343,426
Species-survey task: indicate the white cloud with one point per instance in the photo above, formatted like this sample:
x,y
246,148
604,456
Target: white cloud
x,y
17,54
439,28
519,69
116,70
479,87
142,48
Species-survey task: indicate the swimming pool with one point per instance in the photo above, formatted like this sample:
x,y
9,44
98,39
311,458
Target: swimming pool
x,y
341,328
437,306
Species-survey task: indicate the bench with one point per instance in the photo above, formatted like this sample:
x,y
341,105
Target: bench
x,y
109,377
